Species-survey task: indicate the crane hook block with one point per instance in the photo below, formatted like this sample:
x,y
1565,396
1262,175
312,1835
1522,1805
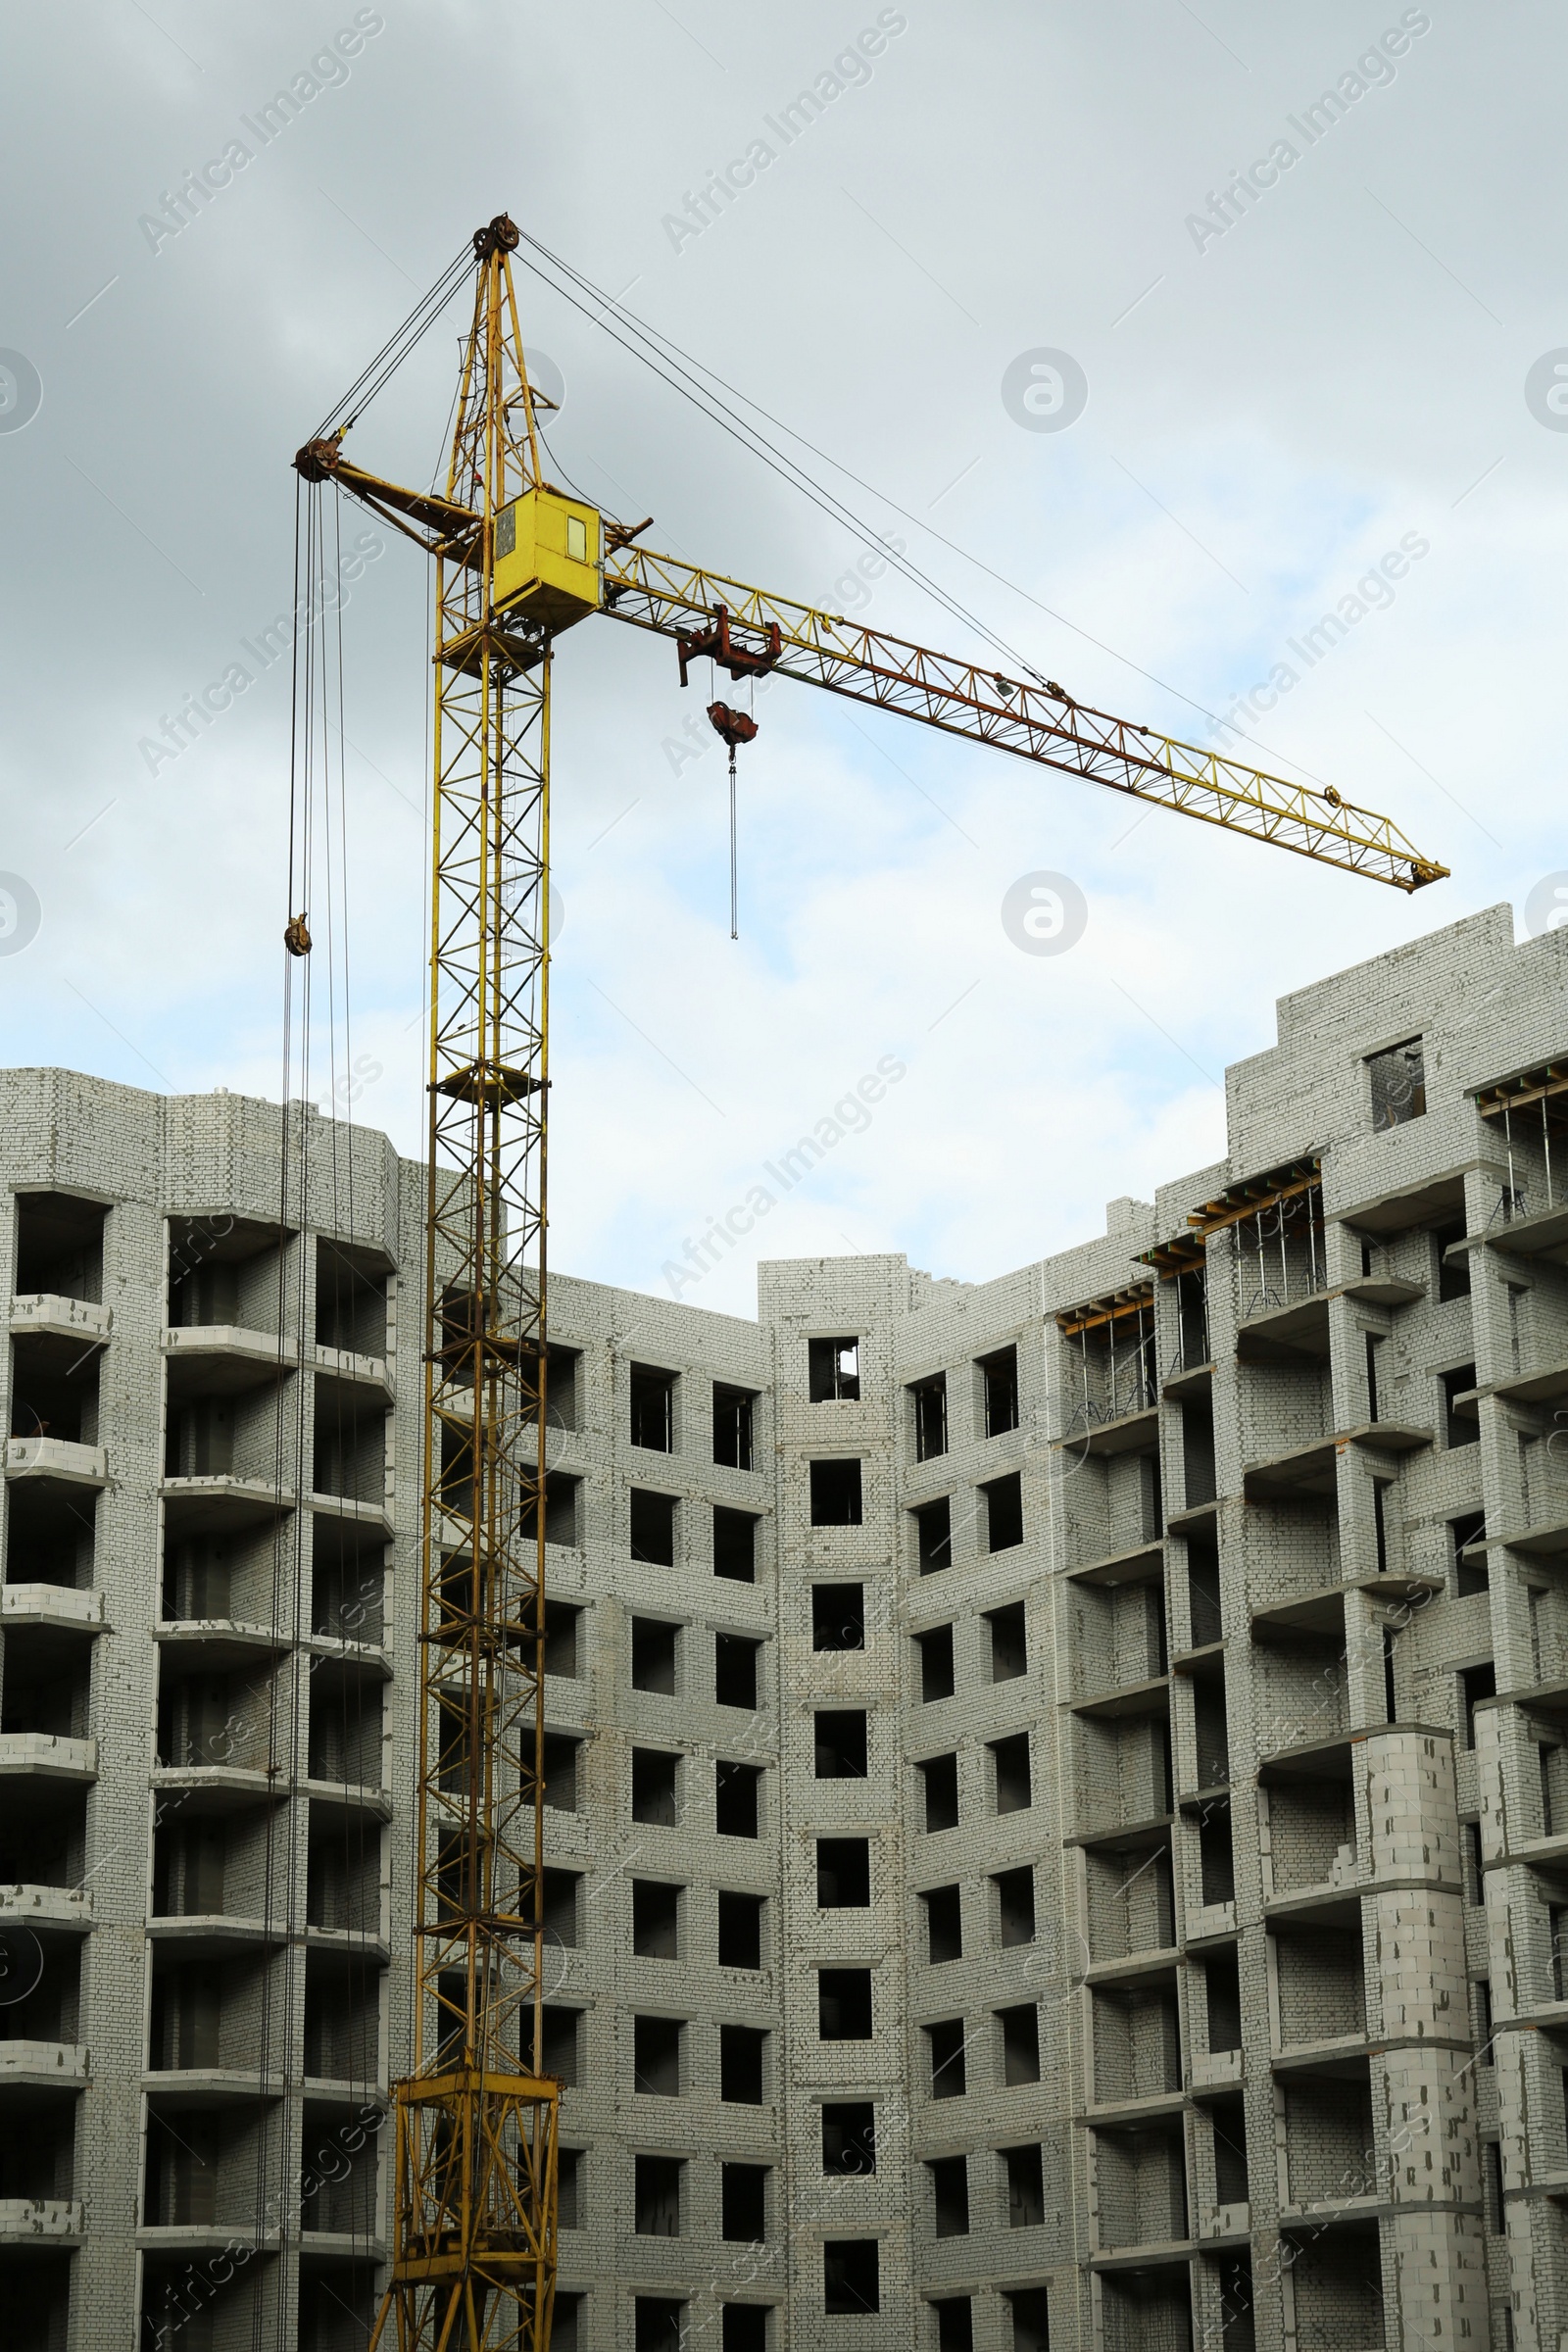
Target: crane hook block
x,y
719,646
734,726
296,937
316,461
499,236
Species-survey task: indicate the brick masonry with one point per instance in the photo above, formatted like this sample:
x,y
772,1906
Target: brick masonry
x,y
1194,1947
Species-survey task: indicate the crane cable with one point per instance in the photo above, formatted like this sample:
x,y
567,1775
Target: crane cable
x,y
374,377
660,354
752,439
661,347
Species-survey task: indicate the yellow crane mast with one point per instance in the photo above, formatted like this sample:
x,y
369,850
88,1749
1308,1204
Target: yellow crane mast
x,y
517,563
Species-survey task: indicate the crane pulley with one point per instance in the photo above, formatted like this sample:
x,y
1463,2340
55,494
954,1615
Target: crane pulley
x,y
517,563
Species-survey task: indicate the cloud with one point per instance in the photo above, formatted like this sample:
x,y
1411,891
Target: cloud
x,y
1266,420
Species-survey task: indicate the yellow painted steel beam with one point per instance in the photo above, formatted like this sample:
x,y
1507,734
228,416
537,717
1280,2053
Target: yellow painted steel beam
x,y
1035,721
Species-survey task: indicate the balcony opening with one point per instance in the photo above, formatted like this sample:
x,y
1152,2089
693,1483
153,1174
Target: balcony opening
x,y
941,1776
1210,1728
737,1799
653,1787
733,1410
949,2196
562,1647
1399,1085
838,1617
345,1726
851,2283
1200,1476
944,2044
54,1389
1003,1501
653,1408
742,2056
1476,1682
944,1924
843,1873
560,1512
51,1535
1009,1643
656,2056
1236,2307
348,1580
1461,1424
998,1376
60,1247
735,1544
743,2203
935,1653
192,2004
1026,2187
656,2195
1222,1992
745,2327
1015,1785
193,1871
735,1659
653,1646
740,1929
207,1721
1015,1905
659,2323
848,2138
1229,2119
656,1919
653,1527
561,1772
349,1442
933,1534
836,1491
928,1407
560,2042
843,2004
224,1271
1470,1573
560,1906
1205,1624
562,1373
841,1743
833,1371
1454,1273
1216,1859
1031,2329
1020,2043
343,1872
48,1686
351,1300
955,2314
48,2011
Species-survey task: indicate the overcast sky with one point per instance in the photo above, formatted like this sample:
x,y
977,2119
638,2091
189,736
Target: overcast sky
x,y
1284,386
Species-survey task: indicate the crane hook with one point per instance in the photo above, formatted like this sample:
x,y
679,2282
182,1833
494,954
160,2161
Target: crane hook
x,y
733,728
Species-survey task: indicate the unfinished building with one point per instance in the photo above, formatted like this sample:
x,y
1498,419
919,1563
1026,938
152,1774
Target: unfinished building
x,y
1059,1787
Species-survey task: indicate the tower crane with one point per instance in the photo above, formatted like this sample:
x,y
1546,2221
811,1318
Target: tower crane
x,y
517,563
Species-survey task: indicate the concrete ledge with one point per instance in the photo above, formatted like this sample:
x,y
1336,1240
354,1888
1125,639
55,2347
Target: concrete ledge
x,y
44,1756
35,2063
65,1607
56,1457
48,1906
28,2220
210,2085
46,1311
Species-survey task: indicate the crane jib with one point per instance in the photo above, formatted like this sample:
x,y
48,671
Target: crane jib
x,y
750,633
